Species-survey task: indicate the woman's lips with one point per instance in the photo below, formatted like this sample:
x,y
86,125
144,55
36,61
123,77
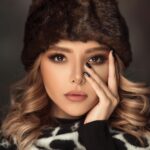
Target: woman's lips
x,y
75,97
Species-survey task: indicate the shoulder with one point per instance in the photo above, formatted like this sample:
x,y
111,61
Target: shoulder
x,y
126,141
6,144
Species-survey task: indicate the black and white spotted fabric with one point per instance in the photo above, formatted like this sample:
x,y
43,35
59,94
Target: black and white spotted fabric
x,y
74,135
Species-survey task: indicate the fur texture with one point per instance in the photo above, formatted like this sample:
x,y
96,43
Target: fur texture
x,y
66,137
50,20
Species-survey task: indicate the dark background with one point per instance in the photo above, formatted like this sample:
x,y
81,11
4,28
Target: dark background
x,y
13,14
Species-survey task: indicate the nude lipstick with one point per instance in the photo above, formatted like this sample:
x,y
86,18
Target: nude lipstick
x,y
76,96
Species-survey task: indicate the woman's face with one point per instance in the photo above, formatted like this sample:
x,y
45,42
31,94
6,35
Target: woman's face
x,y
64,62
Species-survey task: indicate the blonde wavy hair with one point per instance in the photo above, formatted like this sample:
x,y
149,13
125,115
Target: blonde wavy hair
x,y
29,101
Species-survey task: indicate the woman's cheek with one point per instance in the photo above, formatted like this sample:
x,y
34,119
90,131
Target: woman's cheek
x,y
102,71
59,75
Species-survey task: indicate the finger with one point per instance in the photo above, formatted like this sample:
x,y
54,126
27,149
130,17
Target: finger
x,y
117,72
112,77
99,91
99,81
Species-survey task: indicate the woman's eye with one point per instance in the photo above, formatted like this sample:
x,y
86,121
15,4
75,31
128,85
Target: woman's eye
x,y
57,57
98,59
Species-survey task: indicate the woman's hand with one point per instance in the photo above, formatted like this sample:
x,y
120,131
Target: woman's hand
x,y
107,95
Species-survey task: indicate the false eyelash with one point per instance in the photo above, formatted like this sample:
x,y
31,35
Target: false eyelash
x,y
103,57
51,57
100,56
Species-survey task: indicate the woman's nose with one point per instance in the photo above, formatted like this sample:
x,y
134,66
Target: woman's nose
x,y
78,76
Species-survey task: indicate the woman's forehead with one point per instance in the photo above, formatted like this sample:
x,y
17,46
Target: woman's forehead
x,y
69,46
89,42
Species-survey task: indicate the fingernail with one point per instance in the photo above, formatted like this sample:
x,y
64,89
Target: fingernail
x,y
88,65
113,52
87,74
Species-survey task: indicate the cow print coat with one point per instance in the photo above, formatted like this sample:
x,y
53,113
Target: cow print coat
x,y
72,134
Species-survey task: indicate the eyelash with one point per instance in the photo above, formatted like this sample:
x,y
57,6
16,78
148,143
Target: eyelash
x,y
56,55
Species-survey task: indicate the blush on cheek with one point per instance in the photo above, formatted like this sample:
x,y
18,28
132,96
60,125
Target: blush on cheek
x,y
103,76
102,72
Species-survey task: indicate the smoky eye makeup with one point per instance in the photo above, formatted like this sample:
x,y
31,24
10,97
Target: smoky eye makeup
x,y
95,59
56,57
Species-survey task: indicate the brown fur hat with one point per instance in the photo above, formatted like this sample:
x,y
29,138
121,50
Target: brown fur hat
x,y
51,20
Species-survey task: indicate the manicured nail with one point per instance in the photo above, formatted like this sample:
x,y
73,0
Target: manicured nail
x,y
88,65
113,52
87,74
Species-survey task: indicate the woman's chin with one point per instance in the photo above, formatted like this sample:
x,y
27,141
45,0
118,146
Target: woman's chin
x,y
76,113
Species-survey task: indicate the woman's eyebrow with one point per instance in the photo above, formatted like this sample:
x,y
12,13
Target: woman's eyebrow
x,y
90,50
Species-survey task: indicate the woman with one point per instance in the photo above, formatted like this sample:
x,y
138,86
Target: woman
x,y
74,94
